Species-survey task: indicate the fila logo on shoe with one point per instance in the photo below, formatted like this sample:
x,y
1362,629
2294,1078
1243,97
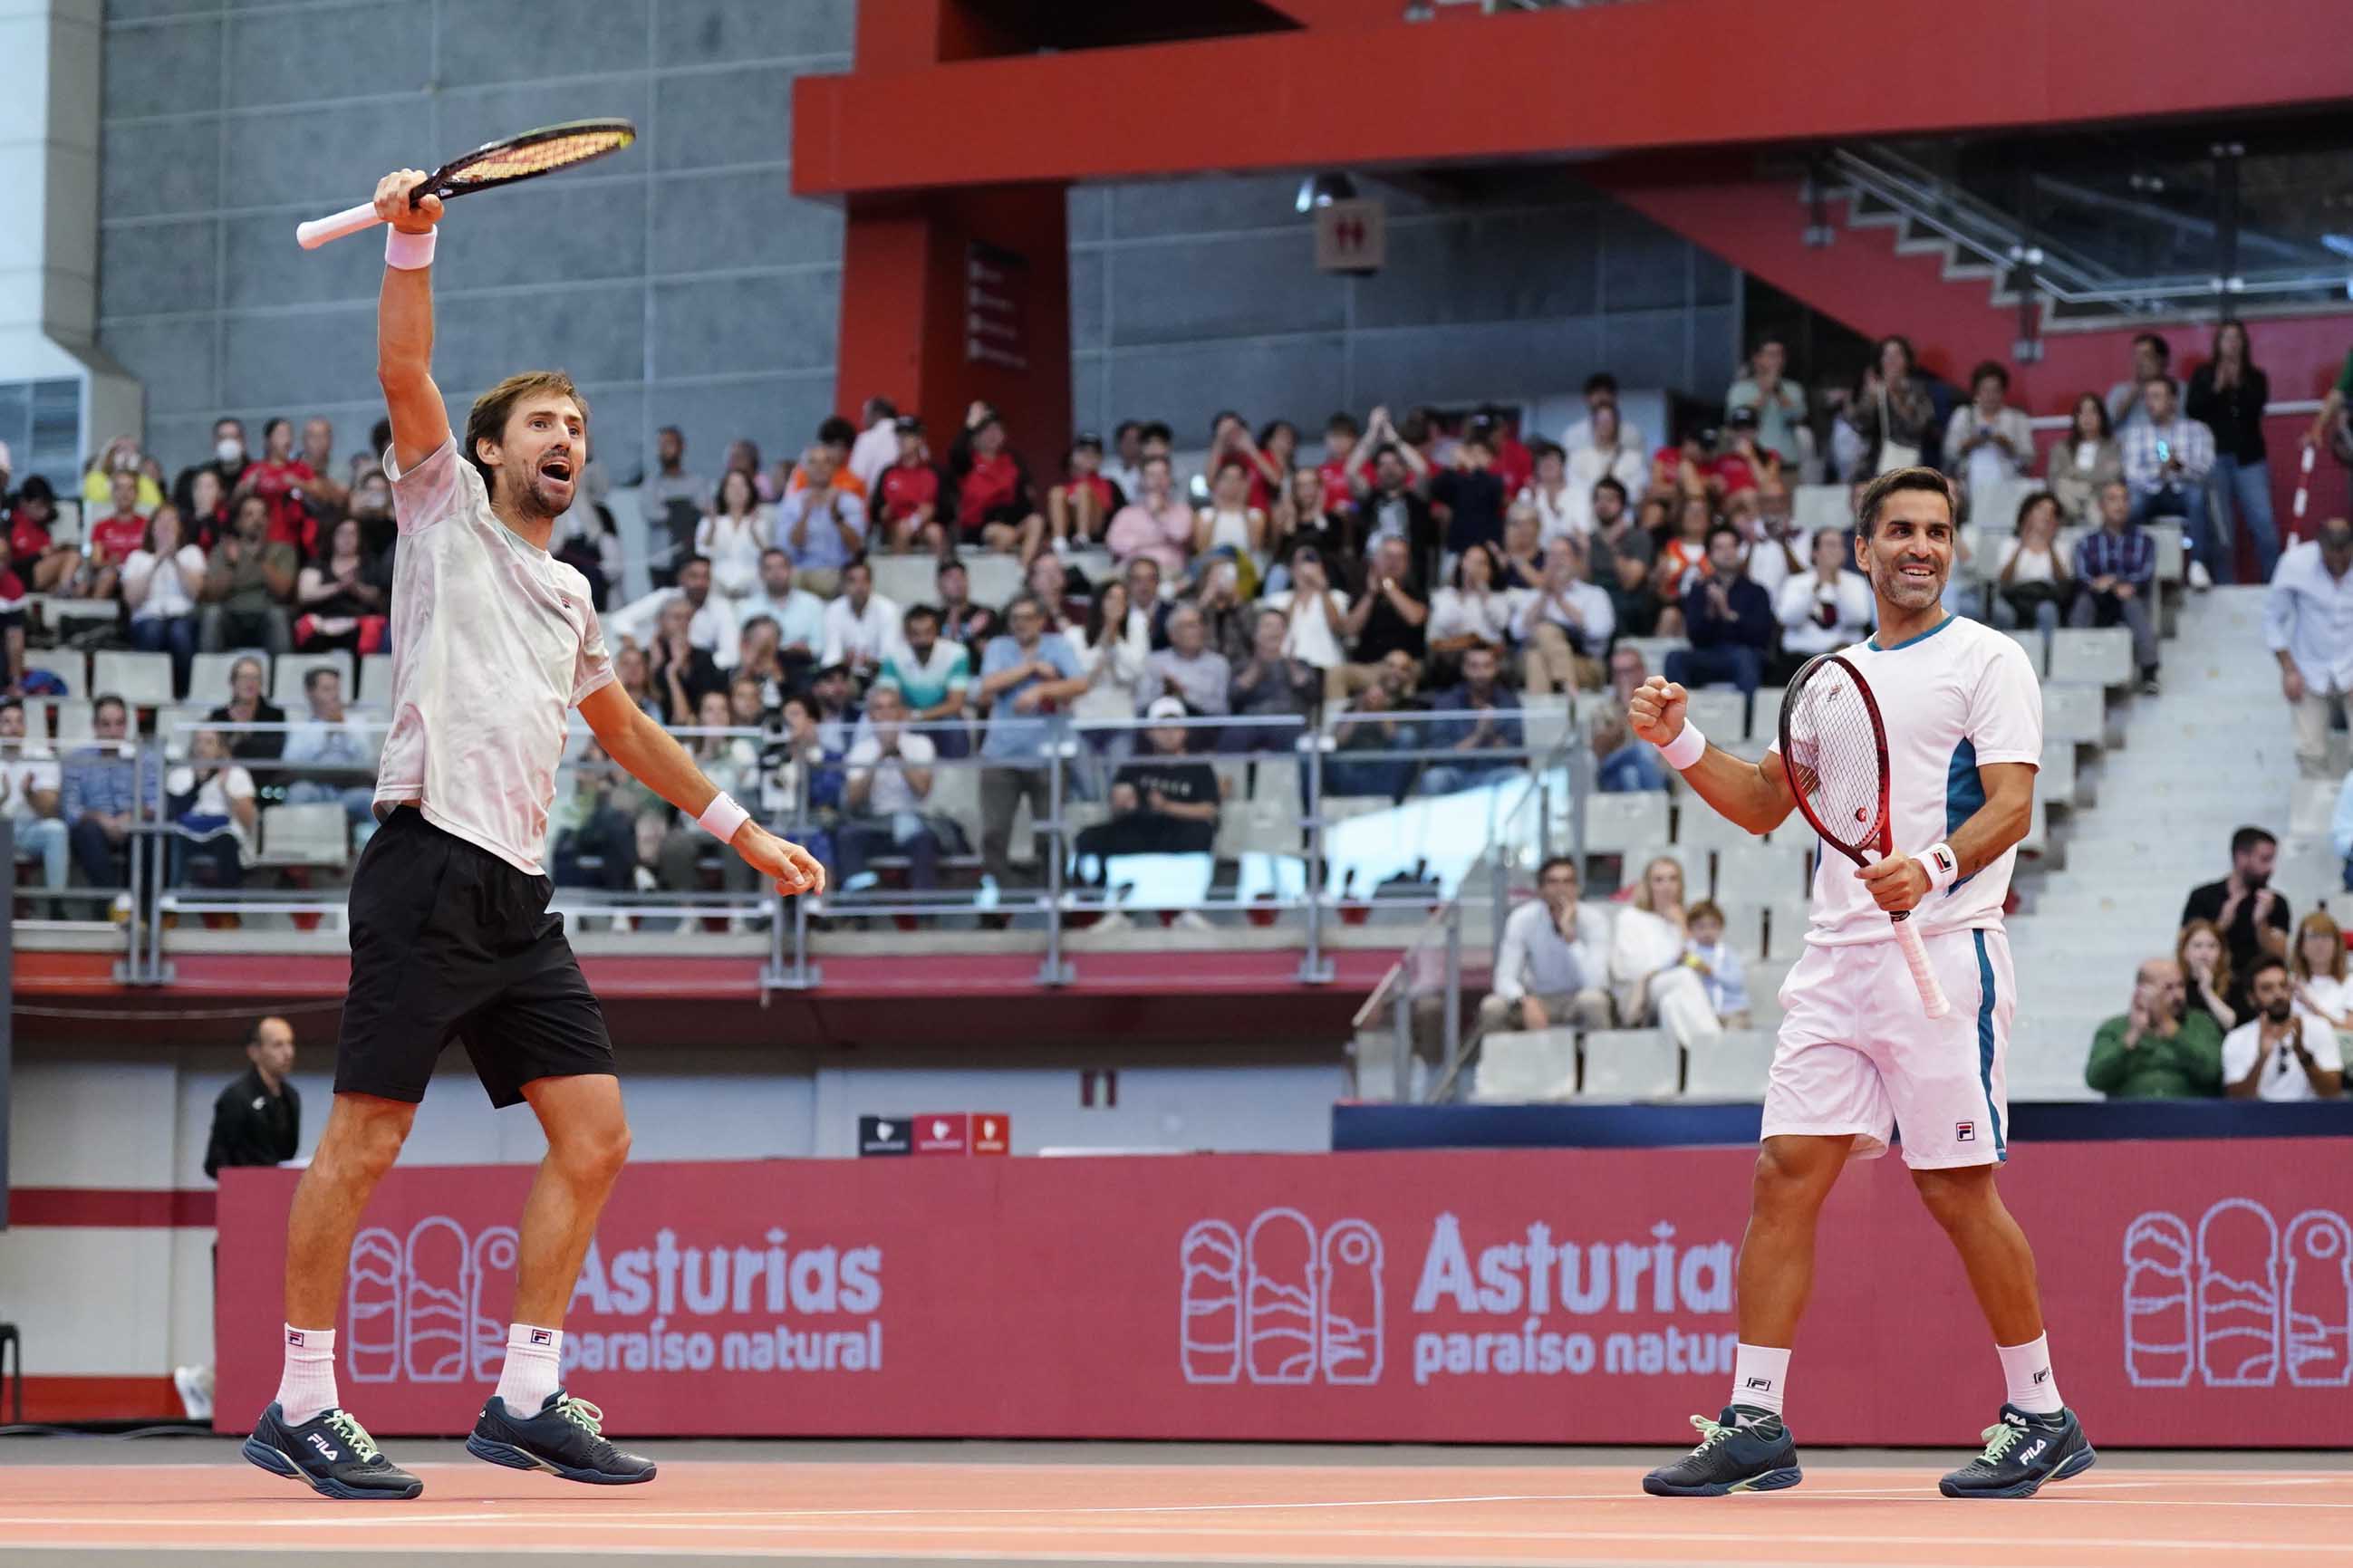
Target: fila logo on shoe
x,y
328,1449
2035,1452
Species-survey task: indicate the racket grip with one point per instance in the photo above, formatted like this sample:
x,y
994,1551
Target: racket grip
x,y
1924,979
351,220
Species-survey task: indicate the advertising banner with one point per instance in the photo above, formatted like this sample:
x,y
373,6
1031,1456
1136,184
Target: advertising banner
x,y
2196,1296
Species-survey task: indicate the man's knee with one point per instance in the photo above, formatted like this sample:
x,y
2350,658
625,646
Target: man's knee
x,y
1496,1012
364,1134
1956,1197
594,1153
1794,1174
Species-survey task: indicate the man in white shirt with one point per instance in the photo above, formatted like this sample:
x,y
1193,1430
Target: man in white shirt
x,y
715,628
30,783
876,446
861,626
799,615
1825,607
1565,625
883,794
1551,970
2281,1054
2308,626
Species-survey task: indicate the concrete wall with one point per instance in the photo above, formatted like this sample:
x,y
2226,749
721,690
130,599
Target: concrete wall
x,y
680,282
134,1302
1191,296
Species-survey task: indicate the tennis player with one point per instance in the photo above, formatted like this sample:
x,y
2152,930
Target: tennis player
x,y
493,643
1858,1056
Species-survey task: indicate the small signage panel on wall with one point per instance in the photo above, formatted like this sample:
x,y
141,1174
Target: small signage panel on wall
x,y
1351,236
937,1132
997,306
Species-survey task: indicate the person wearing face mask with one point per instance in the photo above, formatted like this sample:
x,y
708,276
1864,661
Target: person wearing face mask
x,y
226,465
2280,1054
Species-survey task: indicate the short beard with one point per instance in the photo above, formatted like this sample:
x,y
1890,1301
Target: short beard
x,y
2280,1012
1900,591
529,503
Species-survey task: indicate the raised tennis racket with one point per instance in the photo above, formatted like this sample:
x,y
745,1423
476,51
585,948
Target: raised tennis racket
x,y
524,157
1834,747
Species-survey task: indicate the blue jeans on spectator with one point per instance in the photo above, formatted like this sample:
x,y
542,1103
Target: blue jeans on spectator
x,y
862,839
175,634
44,838
1737,663
2186,504
2245,489
1632,767
1451,778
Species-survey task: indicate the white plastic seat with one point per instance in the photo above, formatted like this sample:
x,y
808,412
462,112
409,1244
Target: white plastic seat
x,y
315,835
1764,719
1629,1064
70,723
1733,1066
1543,723
70,666
2076,713
1813,507
1615,823
294,670
2031,642
1701,827
2089,656
1722,716
1530,1065
1655,651
375,680
141,679
1760,871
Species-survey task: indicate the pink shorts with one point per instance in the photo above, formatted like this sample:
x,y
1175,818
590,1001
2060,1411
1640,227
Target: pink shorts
x,y
1858,1055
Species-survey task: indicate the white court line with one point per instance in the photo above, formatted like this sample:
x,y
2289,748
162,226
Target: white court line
x,y
1146,1560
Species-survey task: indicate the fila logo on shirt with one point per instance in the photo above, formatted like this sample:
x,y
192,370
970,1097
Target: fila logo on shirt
x,y
1965,1132
541,1337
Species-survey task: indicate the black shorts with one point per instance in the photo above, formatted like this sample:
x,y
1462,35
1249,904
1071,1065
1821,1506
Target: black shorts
x,y
447,939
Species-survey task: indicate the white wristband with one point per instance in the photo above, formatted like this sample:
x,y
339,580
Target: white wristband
x,y
1944,866
1685,749
410,252
722,819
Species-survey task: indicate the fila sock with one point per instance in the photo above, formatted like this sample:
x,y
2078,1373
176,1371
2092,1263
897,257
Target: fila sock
x,y
2027,1370
533,1368
1759,1375
306,1390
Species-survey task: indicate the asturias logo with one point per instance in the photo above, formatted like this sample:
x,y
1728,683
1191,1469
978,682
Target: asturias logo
x,y
2239,1304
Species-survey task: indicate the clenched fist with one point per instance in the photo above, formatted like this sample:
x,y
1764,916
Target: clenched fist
x,y
392,205
1655,710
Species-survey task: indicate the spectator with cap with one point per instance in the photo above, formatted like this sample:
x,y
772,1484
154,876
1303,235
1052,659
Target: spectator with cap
x,y
2308,626
37,560
1080,507
1162,802
2159,1047
2115,564
1728,619
932,677
2250,913
906,498
2281,1054
1551,965
994,507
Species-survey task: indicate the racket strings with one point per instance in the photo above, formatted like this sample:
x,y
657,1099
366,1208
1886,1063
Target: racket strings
x,y
1833,759
539,157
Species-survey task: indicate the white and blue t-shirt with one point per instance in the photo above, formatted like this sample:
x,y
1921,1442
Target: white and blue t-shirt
x,y
1953,699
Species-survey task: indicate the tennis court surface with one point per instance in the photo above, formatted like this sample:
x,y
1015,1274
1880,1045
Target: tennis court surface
x,y
194,1501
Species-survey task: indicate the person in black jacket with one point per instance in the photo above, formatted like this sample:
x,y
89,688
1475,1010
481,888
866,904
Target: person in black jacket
x,y
2228,392
258,1119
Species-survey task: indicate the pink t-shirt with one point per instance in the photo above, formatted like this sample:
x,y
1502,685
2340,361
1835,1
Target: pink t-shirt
x,y
495,641
1167,536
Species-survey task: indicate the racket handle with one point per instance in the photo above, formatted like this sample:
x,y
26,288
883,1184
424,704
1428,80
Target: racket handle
x,y
351,220
1916,954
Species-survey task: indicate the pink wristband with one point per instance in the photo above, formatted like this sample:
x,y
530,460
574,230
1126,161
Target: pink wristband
x,y
410,252
722,819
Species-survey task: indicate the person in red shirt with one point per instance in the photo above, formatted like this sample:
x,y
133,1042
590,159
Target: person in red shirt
x,y
278,478
993,498
1272,458
909,503
1346,476
1079,507
41,563
1514,464
113,538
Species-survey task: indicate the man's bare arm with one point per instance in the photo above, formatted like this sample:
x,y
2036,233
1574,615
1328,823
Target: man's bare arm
x,y
1754,795
1900,881
404,330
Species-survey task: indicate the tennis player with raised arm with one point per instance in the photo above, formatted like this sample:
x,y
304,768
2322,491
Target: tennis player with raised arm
x,y
1859,1056
495,641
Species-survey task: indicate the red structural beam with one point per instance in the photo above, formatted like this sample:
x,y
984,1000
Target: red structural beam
x,y
1660,73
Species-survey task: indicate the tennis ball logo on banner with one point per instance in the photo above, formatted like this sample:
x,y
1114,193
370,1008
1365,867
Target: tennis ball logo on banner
x,y
1286,1303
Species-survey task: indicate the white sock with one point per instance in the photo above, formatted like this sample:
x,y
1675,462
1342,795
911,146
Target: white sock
x,y
1760,1373
533,1368
306,1390
2027,1369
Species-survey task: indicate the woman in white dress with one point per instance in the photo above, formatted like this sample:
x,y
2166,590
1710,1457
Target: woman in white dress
x,y
1114,654
739,527
1476,610
159,585
1229,518
1605,459
2034,581
2319,968
1655,988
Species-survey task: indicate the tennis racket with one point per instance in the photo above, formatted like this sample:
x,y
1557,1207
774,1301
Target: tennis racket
x,y
1834,747
524,157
